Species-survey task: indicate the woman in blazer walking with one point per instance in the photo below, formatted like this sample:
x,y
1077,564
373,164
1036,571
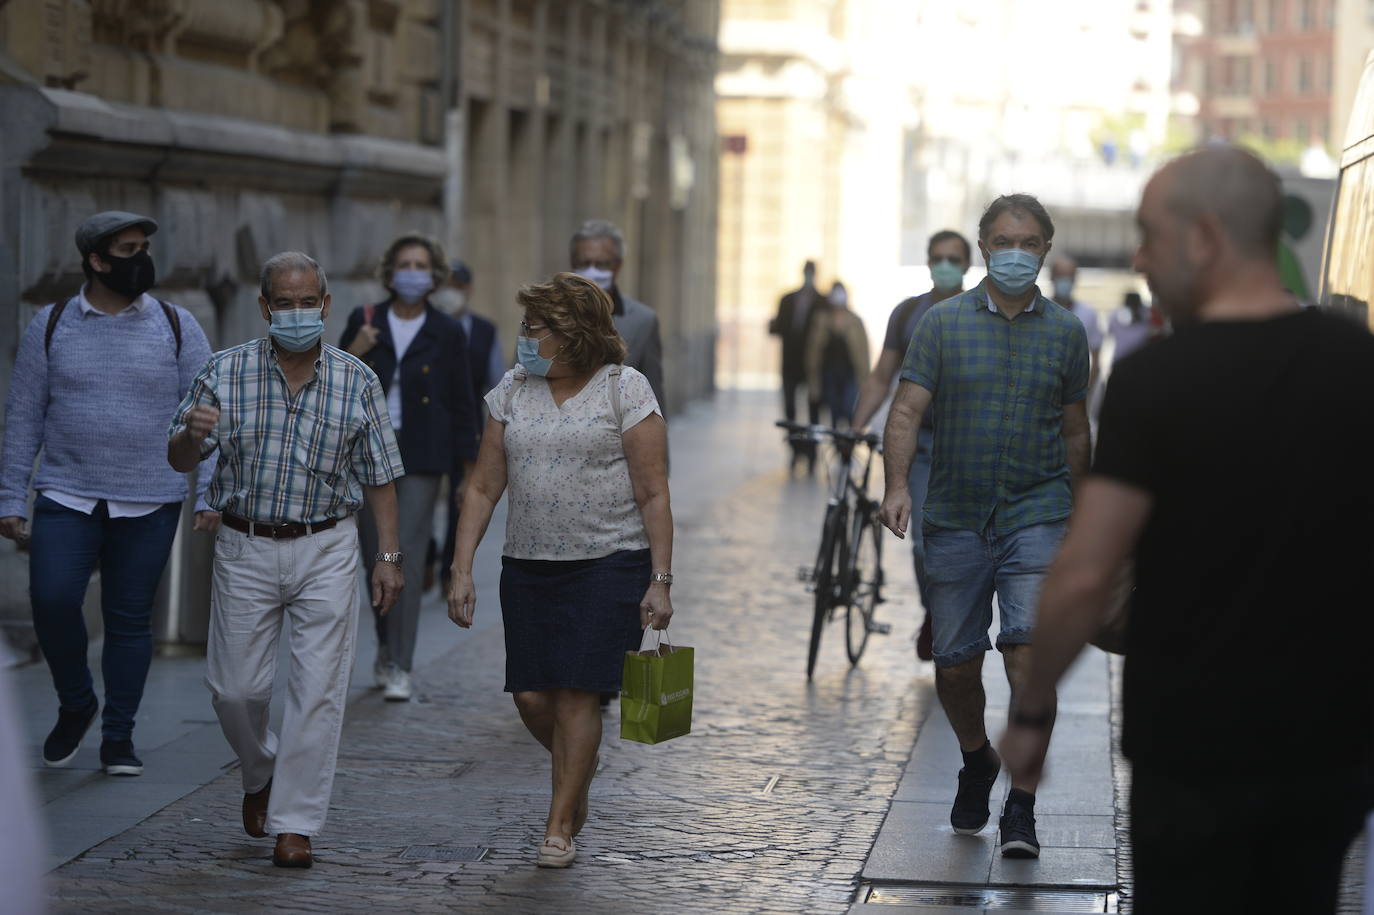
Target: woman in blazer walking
x,y
420,357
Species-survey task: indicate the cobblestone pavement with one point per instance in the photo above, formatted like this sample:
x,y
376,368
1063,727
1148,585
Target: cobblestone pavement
x,y
770,805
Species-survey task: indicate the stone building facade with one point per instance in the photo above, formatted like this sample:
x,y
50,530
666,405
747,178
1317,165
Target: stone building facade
x,y
331,126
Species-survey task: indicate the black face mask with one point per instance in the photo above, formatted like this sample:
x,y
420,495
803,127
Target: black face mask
x,y
129,276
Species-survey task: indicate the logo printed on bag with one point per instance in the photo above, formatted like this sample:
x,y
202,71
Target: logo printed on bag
x,y
665,698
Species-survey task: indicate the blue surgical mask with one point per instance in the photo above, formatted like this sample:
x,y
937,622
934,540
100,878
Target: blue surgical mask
x,y
602,278
527,354
1013,270
1063,290
946,275
297,329
412,285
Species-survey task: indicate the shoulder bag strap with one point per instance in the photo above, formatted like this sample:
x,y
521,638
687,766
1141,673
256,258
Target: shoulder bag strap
x,y
53,317
175,320
614,378
517,379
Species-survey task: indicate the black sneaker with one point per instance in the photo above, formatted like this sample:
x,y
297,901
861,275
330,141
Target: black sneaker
x,y
65,737
970,812
1018,830
117,756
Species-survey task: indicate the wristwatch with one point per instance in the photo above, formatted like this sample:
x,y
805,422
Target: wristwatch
x,y
662,578
393,558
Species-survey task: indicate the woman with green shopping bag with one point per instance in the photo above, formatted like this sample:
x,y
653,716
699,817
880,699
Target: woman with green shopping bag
x,y
579,442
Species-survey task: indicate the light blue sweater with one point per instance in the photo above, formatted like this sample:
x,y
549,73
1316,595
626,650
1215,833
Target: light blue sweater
x,y
97,404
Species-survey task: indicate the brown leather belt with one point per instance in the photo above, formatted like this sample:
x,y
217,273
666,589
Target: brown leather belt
x,y
284,531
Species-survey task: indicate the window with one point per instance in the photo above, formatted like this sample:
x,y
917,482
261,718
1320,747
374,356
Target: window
x,y
1324,68
1272,20
1300,130
1267,130
1303,82
1245,17
1242,82
1302,15
1271,77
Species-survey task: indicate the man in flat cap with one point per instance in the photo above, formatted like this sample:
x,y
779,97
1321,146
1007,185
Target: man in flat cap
x,y
95,380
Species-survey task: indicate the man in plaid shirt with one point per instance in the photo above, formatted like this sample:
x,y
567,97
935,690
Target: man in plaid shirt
x,y
303,434
1007,370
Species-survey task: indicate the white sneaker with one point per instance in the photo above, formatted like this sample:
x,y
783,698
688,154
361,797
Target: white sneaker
x,y
381,668
397,687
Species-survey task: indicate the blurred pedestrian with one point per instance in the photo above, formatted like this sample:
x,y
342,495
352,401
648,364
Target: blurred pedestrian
x,y
302,434
488,364
589,537
94,381
597,252
421,358
1064,275
1007,371
949,255
1246,541
796,311
23,845
837,356
1131,327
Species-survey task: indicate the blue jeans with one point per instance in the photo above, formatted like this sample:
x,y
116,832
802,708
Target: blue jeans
x,y
918,483
132,553
965,568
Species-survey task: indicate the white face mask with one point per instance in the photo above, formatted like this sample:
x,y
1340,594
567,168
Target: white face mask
x,y
602,278
453,301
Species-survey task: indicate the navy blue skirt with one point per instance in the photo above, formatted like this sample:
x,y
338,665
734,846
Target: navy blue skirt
x,y
569,623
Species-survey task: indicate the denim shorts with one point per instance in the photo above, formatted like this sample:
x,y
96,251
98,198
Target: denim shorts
x,y
963,571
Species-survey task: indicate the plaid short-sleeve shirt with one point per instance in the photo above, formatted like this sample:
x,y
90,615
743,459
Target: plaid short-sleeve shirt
x,y
284,457
1000,387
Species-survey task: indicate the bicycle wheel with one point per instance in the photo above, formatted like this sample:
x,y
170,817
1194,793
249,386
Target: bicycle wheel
x,y
865,576
832,534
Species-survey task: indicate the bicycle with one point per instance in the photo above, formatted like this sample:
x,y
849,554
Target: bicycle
x,y
848,571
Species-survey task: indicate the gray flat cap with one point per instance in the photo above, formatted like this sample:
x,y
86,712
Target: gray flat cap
x,y
90,233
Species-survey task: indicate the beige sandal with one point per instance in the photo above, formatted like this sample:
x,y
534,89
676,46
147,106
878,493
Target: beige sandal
x,y
556,851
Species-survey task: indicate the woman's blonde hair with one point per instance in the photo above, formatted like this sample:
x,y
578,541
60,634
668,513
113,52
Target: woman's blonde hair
x,y
438,262
578,309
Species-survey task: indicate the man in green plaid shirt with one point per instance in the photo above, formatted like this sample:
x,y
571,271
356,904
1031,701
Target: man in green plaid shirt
x,y
1007,371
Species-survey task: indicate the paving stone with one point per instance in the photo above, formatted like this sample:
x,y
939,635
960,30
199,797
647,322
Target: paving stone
x,y
684,826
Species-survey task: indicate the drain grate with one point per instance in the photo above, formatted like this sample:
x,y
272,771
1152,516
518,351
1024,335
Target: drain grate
x,y
448,854
992,899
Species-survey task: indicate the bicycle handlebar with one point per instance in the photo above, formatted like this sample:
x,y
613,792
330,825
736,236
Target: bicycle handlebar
x,y
814,433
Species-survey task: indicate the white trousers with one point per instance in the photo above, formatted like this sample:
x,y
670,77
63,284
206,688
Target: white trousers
x,y
309,586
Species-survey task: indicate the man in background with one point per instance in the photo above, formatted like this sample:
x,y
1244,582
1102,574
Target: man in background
x,y
949,255
796,311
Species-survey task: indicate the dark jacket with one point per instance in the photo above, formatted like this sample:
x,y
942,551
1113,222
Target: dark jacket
x,y
796,311
438,408
637,325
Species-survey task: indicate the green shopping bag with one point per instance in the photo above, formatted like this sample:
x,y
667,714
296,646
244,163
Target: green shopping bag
x,y
656,691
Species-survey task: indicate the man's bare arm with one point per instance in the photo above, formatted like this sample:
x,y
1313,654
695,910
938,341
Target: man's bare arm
x,y
909,404
874,388
1078,440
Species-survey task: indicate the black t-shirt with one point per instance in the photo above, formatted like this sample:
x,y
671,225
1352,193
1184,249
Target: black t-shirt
x,y
1250,637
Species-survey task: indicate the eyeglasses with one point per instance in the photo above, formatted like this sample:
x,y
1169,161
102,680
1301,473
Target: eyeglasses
x,y
525,327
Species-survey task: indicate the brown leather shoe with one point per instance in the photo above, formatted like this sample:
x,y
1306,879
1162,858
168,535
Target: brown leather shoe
x,y
292,851
255,811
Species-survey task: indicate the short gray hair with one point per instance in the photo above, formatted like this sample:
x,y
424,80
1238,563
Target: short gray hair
x,y
595,230
290,262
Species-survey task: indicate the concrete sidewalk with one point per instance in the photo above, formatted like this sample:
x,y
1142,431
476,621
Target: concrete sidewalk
x,y
918,862
178,736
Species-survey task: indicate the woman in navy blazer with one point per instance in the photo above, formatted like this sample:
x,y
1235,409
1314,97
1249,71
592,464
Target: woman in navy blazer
x,y
420,356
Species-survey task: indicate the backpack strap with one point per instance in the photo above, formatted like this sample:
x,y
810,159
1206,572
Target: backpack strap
x,y
168,312
517,378
614,378
53,317
175,320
